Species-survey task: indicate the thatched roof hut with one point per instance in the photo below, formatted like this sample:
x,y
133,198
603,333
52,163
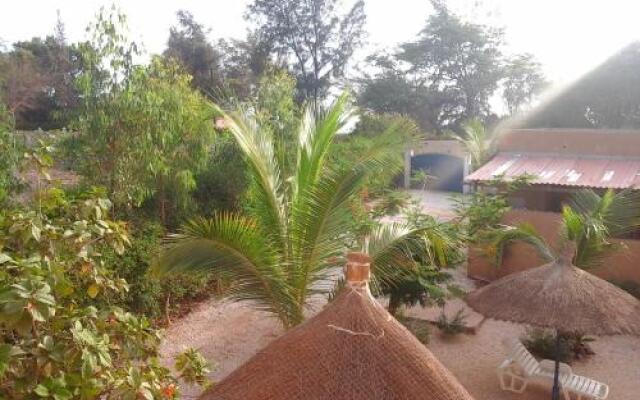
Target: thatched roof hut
x,y
353,349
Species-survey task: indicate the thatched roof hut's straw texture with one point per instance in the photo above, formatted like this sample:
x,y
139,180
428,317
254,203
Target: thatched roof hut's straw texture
x,y
559,296
353,350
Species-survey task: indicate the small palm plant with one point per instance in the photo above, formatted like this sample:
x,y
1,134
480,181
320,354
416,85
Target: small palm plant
x,y
477,142
294,233
589,221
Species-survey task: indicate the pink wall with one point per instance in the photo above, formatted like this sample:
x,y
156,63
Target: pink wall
x,y
621,266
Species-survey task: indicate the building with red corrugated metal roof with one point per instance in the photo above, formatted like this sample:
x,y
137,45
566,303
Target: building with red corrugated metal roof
x,y
561,161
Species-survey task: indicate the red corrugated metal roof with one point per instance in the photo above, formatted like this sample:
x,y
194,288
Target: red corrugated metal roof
x,y
562,170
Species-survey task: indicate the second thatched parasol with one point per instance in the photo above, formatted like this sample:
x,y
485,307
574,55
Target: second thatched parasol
x,y
562,297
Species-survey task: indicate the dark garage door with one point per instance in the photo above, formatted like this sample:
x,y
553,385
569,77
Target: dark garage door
x,y
448,170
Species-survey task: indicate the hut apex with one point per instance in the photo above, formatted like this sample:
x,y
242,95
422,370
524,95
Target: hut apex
x,y
357,270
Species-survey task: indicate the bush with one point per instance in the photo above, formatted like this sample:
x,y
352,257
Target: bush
x,y
223,182
147,295
61,335
392,202
542,344
419,328
453,326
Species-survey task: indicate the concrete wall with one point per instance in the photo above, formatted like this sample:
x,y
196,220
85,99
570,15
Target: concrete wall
x,y
592,142
621,266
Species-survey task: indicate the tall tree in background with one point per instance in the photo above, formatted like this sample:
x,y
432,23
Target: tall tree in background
x,y
444,77
38,80
448,75
523,80
223,70
189,45
313,36
23,81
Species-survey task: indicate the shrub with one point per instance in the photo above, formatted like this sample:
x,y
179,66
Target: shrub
x,y
223,182
542,344
193,367
10,150
147,295
61,335
392,202
453,326
419,328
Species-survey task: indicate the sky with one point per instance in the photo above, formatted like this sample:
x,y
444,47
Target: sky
x,y
569,37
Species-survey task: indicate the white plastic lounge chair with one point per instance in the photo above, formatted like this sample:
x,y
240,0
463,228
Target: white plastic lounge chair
x,y
521,367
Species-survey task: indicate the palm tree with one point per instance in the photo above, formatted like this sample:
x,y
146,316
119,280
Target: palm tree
x,y
296,229
477,142
590,220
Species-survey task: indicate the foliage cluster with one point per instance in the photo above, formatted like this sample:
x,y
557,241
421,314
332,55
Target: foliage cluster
x,y
153,298
482,210
133,136
10,151
452,326
589,221
37,80
62,336
573,345
448,74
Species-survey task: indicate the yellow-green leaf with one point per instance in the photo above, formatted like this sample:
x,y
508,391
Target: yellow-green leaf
x,y
93,290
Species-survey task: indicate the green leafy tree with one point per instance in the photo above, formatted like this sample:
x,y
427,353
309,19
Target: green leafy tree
x,y
296,227
448,74
279,113
523,81
143,131
313,35
60,337
189,45
47,84
444,77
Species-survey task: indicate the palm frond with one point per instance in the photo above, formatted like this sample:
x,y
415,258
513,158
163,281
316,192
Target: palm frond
x,y
232,246
477,142
314,142
618,212
322,215
500,239
396,248
258,149
591,220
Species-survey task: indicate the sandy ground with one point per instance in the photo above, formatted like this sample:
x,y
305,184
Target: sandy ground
x,y
230,333
437,204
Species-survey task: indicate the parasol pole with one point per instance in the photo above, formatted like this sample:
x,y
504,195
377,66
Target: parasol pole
x,y
555,393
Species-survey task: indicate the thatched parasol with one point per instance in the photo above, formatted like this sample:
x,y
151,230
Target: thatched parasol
x,y
353,349
562,297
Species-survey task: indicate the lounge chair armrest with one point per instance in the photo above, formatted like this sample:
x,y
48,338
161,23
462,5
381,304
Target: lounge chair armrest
x,y
604,391
506,363
549,365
